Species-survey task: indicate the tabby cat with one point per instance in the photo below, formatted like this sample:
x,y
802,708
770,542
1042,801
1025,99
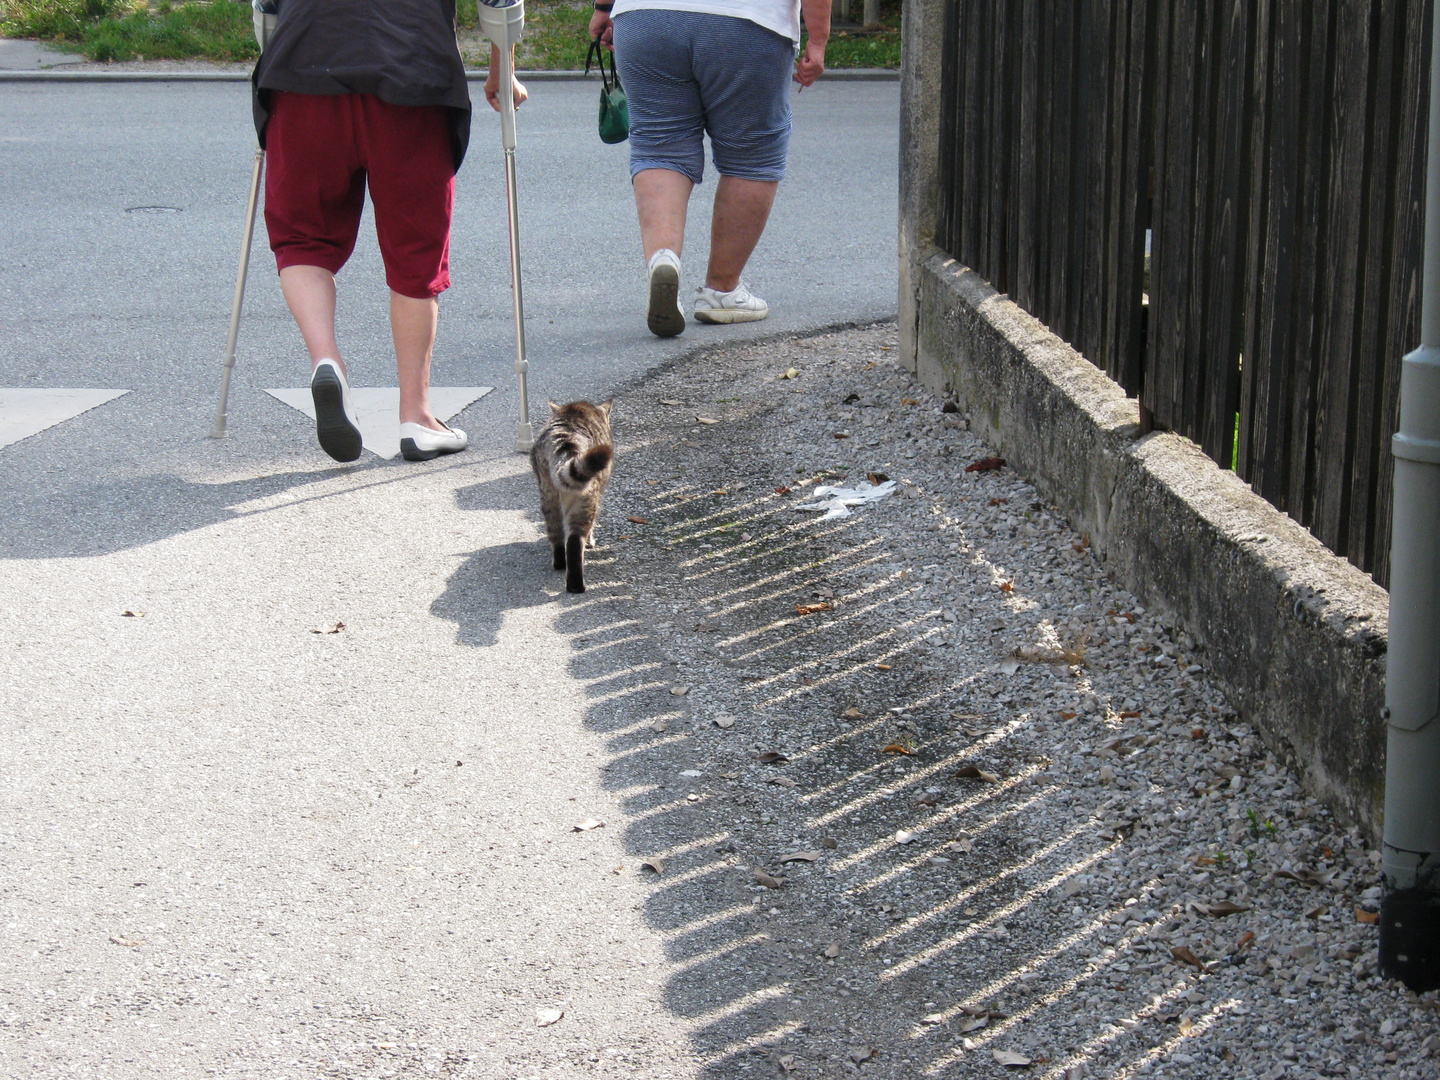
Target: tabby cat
x,y
572,457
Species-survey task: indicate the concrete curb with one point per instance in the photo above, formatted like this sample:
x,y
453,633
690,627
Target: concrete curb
x,y
473,75
1295,635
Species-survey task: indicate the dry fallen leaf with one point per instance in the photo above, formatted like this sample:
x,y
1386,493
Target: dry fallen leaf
x,y
665,401
771,755
1370,918
765,879
1224,907
1185,956
132,614
986,464
1186,1025
1129,714
863,1053
829,843
971,772
832,950
333,628
931,1019
909,401
784,781
791,373
787,1062
800,856
877,478
782,490
974,1023
637,520
1067,716
897,748
1007,586
129,943
707,420
883,667
997,501
1010,1058
853,713
658,865
546,1017
810,609
588,824
842,434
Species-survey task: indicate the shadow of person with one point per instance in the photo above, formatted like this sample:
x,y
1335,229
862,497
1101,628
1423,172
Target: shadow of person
x,y
78,521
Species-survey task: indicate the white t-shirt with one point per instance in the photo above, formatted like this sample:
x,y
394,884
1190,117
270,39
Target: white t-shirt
x,y
781,16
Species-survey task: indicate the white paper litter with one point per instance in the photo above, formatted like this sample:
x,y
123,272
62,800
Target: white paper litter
x,y
836,501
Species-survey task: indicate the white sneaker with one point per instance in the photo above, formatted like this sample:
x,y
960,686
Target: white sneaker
x,y
420,443
665,316
737,305
336,427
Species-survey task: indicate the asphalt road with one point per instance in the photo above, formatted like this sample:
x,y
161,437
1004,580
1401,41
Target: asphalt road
x,y
230,845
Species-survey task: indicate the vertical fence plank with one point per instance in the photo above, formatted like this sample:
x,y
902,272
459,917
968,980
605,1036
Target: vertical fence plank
x,y
1025,181
1376,198
1223,323
1316,19
1257,334
1334,402
1403,318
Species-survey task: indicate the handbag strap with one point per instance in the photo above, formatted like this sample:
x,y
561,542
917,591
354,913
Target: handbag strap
x,y
596,55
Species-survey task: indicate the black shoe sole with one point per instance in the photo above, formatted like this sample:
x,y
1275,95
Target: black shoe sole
x,y
664,316
410,452
337,435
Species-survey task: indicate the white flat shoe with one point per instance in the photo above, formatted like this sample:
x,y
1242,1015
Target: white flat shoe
x,y
335,424
420,443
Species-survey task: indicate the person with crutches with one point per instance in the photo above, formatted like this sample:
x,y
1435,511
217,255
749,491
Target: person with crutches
x,y
350,94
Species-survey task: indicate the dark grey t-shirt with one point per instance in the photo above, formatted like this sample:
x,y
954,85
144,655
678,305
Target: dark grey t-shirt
x,y
402,51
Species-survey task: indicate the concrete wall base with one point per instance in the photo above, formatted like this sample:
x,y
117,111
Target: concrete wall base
x,y
1295,635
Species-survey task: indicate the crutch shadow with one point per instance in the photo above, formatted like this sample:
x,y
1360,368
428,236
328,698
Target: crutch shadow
x,y
83,520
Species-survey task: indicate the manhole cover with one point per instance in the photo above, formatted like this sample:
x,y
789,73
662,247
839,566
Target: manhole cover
x,y
152,209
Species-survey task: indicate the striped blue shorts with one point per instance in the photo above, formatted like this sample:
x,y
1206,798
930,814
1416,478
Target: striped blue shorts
x,y
687,73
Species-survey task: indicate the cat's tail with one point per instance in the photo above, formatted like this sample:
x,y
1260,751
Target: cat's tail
x,y
583,468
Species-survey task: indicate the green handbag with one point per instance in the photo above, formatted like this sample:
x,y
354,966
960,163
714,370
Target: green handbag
x,y
614,110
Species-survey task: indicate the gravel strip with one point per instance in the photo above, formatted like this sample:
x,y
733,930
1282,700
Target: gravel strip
x,y
944,796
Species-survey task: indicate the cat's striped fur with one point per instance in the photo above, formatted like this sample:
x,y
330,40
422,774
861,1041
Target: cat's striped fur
x,y
572,458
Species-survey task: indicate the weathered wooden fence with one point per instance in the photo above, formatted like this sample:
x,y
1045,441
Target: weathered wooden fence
x,y
1271,153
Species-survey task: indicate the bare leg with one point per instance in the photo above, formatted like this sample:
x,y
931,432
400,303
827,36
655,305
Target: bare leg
x,y
310,292
412,323
661,199
742,207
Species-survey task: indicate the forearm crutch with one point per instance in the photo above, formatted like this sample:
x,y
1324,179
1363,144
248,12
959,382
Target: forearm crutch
x,y
504,23
264,18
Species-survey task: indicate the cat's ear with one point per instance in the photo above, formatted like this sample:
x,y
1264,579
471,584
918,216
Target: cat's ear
x,y
605,406
555,410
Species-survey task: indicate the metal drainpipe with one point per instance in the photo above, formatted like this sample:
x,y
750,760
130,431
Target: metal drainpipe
x,y
1410,909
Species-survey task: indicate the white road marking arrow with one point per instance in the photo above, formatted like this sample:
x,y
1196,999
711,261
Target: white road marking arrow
x,y
25,412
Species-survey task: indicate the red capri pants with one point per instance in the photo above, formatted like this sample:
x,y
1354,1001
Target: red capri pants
x,y
321,148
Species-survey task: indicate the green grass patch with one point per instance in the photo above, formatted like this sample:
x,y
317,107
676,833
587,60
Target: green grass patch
x,y
124,30
556,32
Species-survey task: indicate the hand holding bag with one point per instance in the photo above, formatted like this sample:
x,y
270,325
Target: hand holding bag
x,y
614,111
